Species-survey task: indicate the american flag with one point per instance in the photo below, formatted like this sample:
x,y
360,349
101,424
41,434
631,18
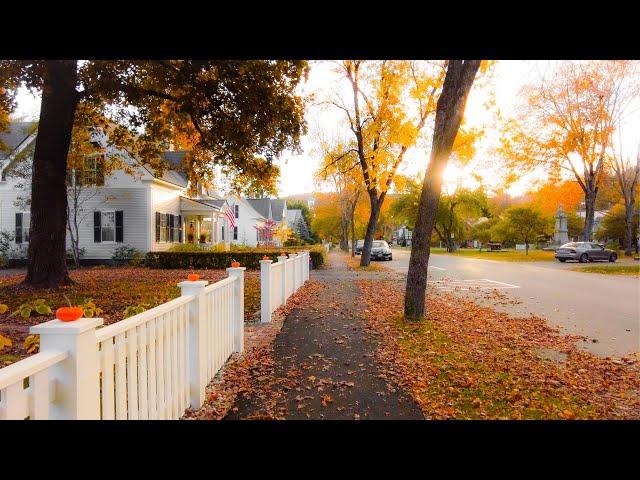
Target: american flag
x,y
230,216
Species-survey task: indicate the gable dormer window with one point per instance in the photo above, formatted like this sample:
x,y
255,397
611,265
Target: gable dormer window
x,y
92,170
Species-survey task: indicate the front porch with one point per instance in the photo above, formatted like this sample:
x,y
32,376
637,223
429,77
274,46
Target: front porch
x,y
203,221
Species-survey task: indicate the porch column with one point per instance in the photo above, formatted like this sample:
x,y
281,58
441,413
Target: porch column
x,y
213,228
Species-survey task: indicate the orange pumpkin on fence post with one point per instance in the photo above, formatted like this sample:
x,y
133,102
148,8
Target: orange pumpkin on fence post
x,y
235,264
193,277
69,314
266,257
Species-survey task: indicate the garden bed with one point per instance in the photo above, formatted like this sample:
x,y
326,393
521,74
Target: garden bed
x,y
113,289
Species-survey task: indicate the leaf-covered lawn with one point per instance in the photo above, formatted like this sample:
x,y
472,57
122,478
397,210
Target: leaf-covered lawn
x,y
632,270
112,289
469,362
353,263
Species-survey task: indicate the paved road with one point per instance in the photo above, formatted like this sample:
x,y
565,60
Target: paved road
x,y
605,308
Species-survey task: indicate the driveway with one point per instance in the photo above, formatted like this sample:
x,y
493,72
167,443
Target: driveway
x,y
603,308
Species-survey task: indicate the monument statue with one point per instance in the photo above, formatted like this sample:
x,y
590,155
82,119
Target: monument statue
x,y
561,232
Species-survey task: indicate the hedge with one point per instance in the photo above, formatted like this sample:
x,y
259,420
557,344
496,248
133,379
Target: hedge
x,y
220,260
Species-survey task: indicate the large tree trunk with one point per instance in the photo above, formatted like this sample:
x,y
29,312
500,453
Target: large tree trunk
x,y
365,258
450,244
628,240
353,238
344,234
449,112
47,265
590,206
628,181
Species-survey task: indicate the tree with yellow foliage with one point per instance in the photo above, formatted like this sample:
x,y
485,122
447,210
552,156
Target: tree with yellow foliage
x,y
338,169
390,102
327,217
568,120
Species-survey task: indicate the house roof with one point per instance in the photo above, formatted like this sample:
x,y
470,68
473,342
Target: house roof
x,y
212,202
260,205
199,204
16,133
176,173
277,209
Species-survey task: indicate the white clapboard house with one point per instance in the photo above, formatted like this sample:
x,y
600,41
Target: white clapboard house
x,y
252,213
140,208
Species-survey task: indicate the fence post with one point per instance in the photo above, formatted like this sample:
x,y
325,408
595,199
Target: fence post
x,y
296,271
265,290
77,388
197,328
306,265
238,308
283,260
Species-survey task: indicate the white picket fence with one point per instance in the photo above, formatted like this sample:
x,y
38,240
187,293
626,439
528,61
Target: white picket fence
x,y
278,281
150,366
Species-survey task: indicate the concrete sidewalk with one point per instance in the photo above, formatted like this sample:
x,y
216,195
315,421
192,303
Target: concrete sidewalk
x,y
324,362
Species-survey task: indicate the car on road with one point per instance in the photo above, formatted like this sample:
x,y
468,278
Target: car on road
x,y
380,250
585,252
359,245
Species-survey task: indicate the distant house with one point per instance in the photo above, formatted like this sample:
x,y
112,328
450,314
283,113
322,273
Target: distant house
x,y
252,213
139,208
402,236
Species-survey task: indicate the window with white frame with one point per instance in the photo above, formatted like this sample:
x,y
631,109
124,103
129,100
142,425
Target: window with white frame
x,y
108,226
93,170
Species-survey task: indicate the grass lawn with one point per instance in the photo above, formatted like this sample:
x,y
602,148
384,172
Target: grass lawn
x,y
630,270
501,255
112,289
504,255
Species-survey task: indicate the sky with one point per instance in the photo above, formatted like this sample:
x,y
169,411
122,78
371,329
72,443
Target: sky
x,y
297,168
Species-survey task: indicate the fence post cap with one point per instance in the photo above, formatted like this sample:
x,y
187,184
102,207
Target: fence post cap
x,y
266,261
58,327
197,283
236,269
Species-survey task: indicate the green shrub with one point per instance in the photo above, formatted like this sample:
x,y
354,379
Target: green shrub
x,y
186,247
207,259
127,254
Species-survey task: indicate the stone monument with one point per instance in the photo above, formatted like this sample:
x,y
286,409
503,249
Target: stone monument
x,y
561,232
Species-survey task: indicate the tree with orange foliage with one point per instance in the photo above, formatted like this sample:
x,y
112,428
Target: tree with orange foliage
x,y
547,198
568,120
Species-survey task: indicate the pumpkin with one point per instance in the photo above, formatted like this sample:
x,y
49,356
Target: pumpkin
x,y
193,277
69,314
266,257
235,264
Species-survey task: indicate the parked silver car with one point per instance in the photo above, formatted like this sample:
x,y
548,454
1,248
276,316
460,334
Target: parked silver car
x,y
380,250
359,245
585,252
